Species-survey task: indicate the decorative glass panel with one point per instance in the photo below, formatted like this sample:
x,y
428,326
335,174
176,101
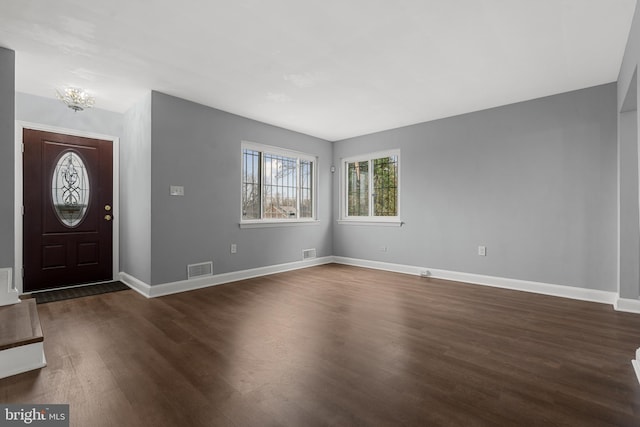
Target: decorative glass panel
x,y
70,189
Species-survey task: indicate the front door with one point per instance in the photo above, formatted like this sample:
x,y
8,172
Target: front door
x,y
68,195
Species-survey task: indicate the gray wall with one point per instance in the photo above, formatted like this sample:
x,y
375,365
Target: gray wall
x,y
629,215
52,112
199,148
630,60
535,182
135,192
7,152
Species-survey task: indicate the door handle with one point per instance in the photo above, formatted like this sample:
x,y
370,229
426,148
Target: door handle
x,y
107,217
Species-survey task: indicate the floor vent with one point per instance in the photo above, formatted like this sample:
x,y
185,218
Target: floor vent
x,y
199,270
308,253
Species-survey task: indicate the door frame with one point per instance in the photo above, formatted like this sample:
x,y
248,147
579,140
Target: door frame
x,y
19,187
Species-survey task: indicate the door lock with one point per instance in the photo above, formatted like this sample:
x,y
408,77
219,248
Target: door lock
x,y
107,208
107,217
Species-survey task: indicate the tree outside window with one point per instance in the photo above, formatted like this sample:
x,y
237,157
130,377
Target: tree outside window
x,y
372,186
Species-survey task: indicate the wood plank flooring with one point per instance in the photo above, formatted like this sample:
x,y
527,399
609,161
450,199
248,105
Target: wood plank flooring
x,y
339,346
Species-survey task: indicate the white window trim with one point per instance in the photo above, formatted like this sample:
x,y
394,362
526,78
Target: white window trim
x,y
267,223
270,222
385,221
378,223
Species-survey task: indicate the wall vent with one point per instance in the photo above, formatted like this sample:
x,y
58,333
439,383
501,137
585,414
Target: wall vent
x,y
308,253
199,270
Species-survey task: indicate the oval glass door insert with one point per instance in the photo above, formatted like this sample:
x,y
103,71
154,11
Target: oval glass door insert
x,y
70,189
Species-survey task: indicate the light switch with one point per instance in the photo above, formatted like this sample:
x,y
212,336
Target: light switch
x,y
176,190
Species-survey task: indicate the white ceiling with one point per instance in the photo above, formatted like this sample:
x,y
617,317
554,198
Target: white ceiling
x,y
328,68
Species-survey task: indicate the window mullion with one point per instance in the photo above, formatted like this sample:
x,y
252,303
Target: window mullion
x,y
371,188
345,189
261,185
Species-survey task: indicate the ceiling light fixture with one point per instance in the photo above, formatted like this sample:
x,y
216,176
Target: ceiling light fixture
x,y
75,98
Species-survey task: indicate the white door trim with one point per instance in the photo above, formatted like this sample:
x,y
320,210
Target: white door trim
x,y
20,126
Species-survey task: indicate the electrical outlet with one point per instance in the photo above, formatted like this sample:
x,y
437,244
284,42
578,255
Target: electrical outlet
x,y
234,248
482,250
383,249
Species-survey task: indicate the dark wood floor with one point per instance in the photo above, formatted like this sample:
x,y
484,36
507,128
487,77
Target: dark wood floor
x,y
336,345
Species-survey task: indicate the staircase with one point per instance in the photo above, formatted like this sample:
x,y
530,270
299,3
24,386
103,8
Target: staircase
x,y
21,340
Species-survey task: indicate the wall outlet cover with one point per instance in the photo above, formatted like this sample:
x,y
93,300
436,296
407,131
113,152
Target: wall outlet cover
x,y
176,190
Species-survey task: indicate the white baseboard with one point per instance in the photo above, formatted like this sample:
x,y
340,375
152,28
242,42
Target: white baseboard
x,y
628,305
377,265
137,285
8,295
217,279
583,294
21,359
593,295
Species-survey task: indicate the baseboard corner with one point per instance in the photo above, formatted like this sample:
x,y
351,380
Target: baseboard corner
x,y
136,284
627,305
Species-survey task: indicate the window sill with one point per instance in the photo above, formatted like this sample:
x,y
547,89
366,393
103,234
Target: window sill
x,y
284,223
373,222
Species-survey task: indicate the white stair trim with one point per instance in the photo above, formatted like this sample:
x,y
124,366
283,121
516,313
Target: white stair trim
x,y
17,360
636,364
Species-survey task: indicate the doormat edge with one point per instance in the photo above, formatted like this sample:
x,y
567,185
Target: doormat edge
x,y
78,292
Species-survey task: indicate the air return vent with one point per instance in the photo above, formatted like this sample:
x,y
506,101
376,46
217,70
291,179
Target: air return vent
x,y
199,270
308,253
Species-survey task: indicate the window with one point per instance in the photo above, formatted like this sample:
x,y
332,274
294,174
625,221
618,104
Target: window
x,y
371,188
277,185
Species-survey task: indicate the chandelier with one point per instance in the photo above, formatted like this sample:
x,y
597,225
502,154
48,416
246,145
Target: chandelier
x,y
75,98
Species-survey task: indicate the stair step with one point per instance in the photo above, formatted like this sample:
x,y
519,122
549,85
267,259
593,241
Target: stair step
x,y
19,325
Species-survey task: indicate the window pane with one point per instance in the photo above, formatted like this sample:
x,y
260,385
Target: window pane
x,y
280,186
306,189
385,186
250,184
358,188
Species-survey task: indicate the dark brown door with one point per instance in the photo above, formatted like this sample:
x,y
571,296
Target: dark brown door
x,y
68,228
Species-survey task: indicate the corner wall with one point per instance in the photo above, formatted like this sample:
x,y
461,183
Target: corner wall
x,y
7,157
135,191
199,147
534,182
